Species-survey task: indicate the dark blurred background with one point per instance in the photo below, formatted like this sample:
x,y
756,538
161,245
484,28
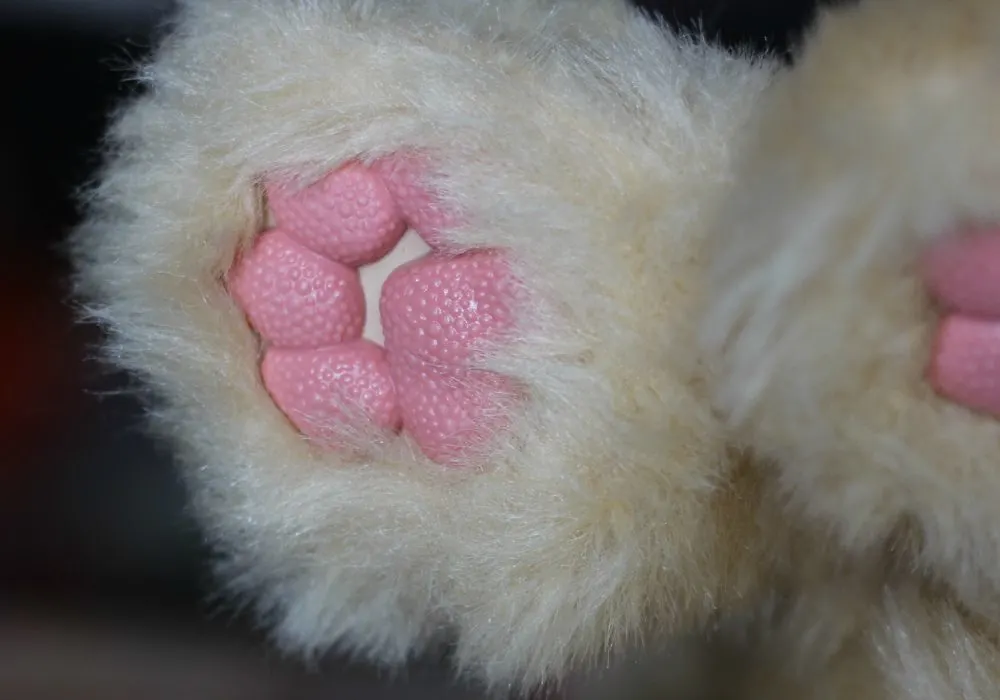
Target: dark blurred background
x,y
104,588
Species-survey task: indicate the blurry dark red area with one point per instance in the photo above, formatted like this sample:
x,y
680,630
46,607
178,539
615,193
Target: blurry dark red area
x,y
87,505
48,115
40,353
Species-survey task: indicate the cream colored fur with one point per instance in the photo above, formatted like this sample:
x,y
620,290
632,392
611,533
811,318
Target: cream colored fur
x,y
898,643
597,148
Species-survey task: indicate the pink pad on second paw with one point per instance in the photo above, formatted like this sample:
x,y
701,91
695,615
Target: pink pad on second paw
x,y
322,390
966,363
963,272
296,298
348,216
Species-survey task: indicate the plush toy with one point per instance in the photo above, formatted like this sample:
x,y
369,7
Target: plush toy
x,y
537,331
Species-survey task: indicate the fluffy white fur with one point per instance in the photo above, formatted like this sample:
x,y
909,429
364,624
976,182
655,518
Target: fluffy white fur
x,y
596,147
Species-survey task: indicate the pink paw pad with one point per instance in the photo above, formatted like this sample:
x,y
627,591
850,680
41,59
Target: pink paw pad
x,y
301,291
321,388
436,311
963,274
297,299
966,363
348,216
423,211
437,308
449,410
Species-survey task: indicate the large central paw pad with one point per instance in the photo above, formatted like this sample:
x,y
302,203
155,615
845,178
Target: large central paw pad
x,y
308,285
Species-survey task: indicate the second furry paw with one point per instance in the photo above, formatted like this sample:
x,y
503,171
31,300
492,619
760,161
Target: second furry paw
x,y
851,314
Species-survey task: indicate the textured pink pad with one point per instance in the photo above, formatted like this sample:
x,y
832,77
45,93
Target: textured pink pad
x,y
320,388
438,308
435,312
966,363
295,298
298,290
450,410
348,216
403,176
963,273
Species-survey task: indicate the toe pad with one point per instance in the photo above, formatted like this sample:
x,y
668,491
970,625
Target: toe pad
x,y
323,388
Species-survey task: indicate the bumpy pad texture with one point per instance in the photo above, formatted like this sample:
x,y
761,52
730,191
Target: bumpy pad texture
x,y
349,216
297,299
434,311
966,363
321,389
963,274
962,271
424,212
299,292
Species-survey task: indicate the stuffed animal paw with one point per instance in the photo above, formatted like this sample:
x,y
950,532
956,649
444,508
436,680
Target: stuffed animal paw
x,y
413,285
416,290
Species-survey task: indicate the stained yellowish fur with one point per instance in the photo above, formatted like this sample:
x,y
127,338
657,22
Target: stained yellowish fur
x,y
598,149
